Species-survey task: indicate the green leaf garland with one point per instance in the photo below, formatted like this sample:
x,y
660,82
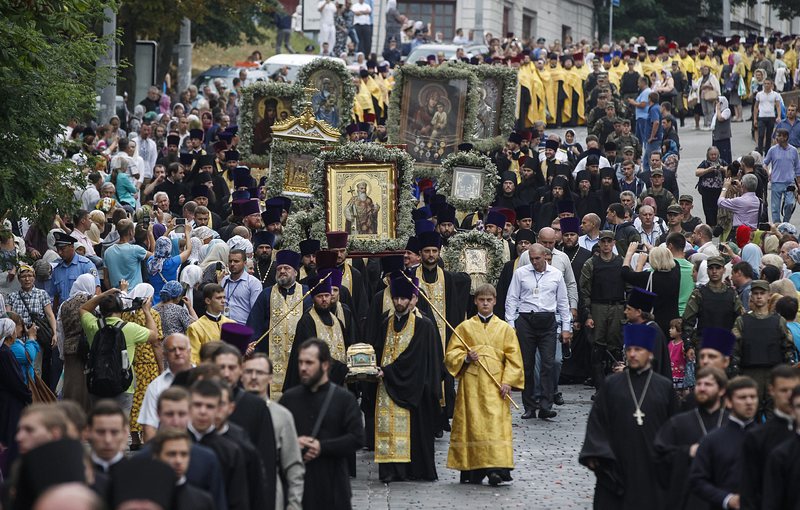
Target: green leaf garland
x,y
453,255
348,88
247,113
490,181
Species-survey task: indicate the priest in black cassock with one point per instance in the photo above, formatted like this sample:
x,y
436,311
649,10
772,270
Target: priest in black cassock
x,y
352,278
319,322
677,441
587,200
308,260
577,366
761,441
715,351
525,237
783,470
328,433
448,292
408,392
627,413
263,259
609,189
638,310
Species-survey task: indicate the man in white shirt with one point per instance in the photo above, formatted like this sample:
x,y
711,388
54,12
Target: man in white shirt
x,y
178,353
148,152
362,22
767,109
327,30
89,196
536,294
649,226
702,237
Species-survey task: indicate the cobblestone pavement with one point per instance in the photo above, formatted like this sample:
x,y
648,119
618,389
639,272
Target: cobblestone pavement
x,y
547,473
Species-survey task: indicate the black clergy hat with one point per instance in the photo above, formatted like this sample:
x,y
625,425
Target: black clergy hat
x,y
196,134
642,299
200,191
446,214
392,263
287,258
583,175
309,247
523,212
432,239
205,160
143,478
401,287
186,158
263,237
38,471
525,234
173,140
570,226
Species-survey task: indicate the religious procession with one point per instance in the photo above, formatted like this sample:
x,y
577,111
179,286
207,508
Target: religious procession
x,y
452,276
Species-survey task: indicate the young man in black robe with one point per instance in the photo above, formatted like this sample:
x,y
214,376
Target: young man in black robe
x,y
628,411
449,293
587,201
677,441
716,474
250,412
761,441
783,470
408,392
319,322
353,280
328,433
264,261
341,300
638,310
715,351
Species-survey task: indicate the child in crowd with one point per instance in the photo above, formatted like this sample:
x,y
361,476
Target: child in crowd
x,y
680,360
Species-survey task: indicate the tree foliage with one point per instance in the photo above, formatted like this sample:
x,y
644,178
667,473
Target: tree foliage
x,y
47,76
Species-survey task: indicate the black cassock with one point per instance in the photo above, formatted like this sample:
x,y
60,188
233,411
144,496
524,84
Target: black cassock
x,y
626,474
456,289
261,315
661,362
672,445
503,283
258,489
780,479
359,293
252,415
14,397
327,482
412,381
375,320
758,444
307,329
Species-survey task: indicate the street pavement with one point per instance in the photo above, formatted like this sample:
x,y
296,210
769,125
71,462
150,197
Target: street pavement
x,y
547,473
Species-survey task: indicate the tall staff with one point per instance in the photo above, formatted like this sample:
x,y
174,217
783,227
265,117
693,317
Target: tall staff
x,y
251,347
480,362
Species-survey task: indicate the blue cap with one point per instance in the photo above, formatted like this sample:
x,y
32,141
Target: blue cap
x,y
263,237
495,218
423,226
640,298
287,258
639,335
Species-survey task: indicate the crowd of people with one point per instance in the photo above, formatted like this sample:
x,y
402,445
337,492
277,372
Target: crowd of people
x,y
165,345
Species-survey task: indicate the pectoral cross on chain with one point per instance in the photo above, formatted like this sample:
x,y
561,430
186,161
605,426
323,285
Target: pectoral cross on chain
x,y
639,415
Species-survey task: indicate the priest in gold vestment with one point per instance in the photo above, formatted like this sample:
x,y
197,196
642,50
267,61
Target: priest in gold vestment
x,y
480,441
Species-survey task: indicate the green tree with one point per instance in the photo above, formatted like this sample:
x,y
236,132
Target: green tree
x,y
221,22
47,77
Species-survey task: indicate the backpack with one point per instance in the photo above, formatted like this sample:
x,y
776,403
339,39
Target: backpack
x,y
108,370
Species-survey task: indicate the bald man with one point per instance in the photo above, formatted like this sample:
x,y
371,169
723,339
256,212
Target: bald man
x,y
178,353
69,496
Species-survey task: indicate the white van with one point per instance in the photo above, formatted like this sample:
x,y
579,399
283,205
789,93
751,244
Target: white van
x,y
294,61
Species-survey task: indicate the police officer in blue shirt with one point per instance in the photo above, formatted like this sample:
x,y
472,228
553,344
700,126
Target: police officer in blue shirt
x,y
71,266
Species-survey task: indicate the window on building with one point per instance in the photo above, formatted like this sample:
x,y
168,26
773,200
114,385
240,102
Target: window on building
x,y
441,14
528,24
566,33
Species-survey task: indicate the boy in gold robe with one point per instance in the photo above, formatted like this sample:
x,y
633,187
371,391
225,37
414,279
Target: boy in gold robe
x,y
480,441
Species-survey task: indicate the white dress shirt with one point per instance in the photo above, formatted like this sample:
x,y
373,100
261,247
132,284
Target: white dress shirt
x,y
149,153
562,263
148,414
361,13
532,291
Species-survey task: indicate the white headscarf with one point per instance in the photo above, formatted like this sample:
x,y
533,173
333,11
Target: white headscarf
x,y
724,111
85,284
240,243
191,276
143,291
217,252
7,328
197,250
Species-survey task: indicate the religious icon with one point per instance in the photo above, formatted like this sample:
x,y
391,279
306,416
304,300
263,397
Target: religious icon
x,y
487,123
362,199
325,99
433,126
467,182
268,111
475,260
295,177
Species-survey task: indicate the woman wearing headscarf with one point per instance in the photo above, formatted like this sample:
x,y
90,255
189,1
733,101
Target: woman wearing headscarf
x,y
721,129
25,346
215,262
147,360
72,342
14,394
192,277
162,267
751,254
175,308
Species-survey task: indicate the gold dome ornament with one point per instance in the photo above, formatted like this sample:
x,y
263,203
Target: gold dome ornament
x,y
361,364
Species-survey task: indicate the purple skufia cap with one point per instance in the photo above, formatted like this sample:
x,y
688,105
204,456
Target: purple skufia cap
x,y
335,278
719,339
324,286
159,230
236,334
287,258
639,335
401,287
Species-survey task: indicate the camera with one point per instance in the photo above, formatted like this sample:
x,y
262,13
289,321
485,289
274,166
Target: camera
x,y
146,221
180,221
136,303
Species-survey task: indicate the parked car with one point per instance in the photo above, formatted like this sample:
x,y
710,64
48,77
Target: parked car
x,y
227,73
293,61
422,51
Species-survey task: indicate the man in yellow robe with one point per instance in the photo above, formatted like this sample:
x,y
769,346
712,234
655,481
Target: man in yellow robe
x,y
208,327
480,441
573,106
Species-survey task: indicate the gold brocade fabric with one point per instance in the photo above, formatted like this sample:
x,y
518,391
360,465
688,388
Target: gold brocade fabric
x,y
392,422
347,277
281,338
331,335
436,294
388,306
481,430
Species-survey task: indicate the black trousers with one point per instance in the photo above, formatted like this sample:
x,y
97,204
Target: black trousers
x,y
364,33
710,207
537,331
